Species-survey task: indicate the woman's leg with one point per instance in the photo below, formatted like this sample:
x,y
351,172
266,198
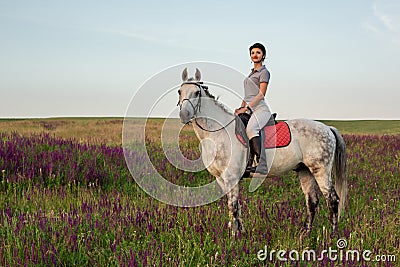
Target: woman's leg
x,y
257,121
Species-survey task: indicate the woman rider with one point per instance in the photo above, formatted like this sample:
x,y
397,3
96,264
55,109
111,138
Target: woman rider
x,y
255,88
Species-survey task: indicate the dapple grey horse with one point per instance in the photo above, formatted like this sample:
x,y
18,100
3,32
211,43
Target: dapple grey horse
x,y
315,150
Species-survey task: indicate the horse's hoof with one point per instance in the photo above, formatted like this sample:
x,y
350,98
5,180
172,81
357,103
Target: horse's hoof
x,y
334,235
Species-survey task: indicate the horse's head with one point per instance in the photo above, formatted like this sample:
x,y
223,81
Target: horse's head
x,y
190,94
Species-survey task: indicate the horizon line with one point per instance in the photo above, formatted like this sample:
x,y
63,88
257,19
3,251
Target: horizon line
x,y
160,117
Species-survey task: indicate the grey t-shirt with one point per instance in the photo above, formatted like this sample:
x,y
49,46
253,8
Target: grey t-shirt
x,y
252,82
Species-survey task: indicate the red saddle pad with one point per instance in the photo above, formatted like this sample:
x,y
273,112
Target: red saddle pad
x,y
277,135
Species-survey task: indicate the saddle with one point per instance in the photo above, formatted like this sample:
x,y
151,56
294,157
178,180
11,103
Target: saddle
x,y
274,134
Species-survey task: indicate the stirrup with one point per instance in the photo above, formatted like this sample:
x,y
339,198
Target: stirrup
x,y
246,174
260,170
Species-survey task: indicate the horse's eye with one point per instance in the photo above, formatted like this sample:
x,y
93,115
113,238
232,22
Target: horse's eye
x,y
197,93
179,92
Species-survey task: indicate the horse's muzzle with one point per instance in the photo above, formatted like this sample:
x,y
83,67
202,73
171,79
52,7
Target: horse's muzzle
x,y
185,116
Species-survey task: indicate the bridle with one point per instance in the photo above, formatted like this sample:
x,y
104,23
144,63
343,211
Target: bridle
x,y
198,105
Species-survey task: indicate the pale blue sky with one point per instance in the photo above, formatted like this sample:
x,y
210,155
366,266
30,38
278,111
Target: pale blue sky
x,y
328,59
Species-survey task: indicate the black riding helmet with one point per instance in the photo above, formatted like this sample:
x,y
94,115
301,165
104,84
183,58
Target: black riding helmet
x,y
260,46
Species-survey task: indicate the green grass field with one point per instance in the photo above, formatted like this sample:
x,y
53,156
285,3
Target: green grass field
x,y
366,126
68,199
108,130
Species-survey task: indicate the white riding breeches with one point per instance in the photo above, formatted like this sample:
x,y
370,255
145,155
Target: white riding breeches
x,y
258,120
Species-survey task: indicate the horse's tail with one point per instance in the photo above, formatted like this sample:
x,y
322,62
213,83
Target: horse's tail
x,y
340,168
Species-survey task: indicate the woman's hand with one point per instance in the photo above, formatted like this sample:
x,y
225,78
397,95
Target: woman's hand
x,y
240,110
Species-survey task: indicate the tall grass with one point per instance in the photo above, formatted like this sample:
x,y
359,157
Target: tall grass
x,y
68,203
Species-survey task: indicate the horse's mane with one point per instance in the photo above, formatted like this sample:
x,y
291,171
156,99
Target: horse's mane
x,y
218,103
213,98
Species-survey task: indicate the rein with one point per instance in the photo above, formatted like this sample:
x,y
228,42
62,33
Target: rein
x,y
213,131
197,107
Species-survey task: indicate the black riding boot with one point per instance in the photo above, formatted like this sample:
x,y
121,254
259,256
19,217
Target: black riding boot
x,y
249,163
261,162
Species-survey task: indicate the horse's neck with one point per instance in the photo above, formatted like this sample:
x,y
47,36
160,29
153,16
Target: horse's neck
x,y
211,117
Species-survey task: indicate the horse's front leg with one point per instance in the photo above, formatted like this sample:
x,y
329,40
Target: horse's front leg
x,y
235,214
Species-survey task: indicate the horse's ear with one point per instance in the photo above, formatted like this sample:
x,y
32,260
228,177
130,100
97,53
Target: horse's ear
x,y
184,75
197,75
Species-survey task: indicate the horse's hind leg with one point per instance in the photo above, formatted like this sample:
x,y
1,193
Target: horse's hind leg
x,y
309,186
333,203
323,178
